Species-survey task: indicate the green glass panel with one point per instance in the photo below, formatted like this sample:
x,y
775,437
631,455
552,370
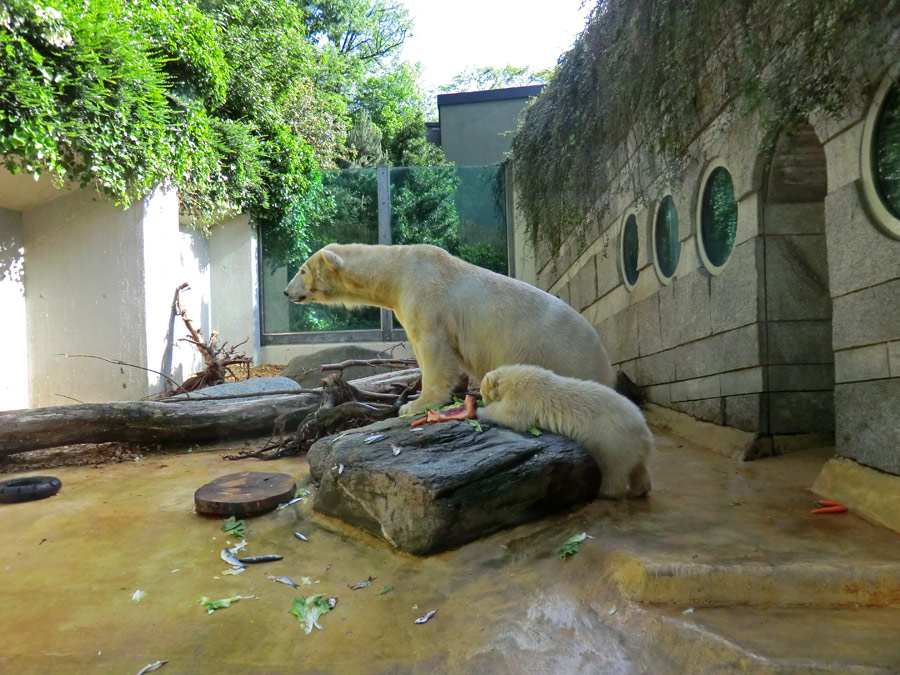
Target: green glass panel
x,y
460,209
668,246
886,153
350,215
630,250
718,216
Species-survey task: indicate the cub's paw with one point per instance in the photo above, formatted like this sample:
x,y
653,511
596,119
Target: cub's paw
x,y
490,387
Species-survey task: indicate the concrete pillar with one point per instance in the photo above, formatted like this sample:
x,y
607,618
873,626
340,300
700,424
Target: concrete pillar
x,y
234,279
13,337
173,254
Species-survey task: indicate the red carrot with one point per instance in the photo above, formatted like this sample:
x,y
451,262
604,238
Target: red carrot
x,y
839,508
829,502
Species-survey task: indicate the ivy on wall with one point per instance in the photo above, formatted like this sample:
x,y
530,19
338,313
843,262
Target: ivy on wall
x,y
646,76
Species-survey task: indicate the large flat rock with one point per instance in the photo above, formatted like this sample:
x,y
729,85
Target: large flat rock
x,y
304,369
254,387
449,484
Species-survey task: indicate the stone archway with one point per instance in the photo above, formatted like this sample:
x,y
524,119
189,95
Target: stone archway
x,y
798,361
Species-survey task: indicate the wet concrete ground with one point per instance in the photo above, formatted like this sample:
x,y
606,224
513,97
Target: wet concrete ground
x,y
721,569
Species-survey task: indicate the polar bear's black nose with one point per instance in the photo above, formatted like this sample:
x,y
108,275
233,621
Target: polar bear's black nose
x,y
286,293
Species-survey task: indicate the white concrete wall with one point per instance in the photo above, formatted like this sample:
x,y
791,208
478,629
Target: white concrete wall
x,y
84,292
233,255
101,281
13,336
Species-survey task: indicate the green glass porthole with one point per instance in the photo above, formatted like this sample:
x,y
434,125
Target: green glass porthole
x,y
718,216
665,237
630,251
886,152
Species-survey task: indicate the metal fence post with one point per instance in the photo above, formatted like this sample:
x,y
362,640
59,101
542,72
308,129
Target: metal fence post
x,y
384,237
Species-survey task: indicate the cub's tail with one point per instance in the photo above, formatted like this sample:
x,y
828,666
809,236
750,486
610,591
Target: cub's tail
x,y
625,386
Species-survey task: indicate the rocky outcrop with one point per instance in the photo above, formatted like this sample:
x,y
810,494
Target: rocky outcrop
x,y
438,486
304,369
255,386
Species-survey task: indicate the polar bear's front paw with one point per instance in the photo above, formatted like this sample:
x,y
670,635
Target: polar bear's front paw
x,y
411,408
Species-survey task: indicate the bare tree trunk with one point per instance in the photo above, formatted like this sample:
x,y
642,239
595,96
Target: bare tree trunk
x,y
181,422
146,422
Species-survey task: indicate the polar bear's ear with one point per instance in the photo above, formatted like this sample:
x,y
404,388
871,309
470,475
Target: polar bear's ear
x,y
332,259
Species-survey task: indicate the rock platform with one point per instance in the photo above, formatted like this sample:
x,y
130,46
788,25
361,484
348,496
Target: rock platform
x,y
438,486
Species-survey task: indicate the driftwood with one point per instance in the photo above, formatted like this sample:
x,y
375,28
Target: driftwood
x,y
342,406
219,358
183,422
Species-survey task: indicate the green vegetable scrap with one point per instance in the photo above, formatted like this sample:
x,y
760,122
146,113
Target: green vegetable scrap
x,y
475,424
308,610
534,431
234,527
572,545
386,590
212,605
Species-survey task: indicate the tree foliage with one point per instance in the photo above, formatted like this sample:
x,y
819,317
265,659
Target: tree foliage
x,y
362,31
493,77
645,77
217,99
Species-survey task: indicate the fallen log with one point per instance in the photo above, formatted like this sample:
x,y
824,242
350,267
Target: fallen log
x,y
182,422
146,422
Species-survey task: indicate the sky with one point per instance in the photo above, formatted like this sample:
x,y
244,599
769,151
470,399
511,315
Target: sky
x,y
449,37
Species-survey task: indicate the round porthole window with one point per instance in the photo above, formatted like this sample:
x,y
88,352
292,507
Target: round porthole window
x,y
629,252
886,152
718,218
666,245
881,156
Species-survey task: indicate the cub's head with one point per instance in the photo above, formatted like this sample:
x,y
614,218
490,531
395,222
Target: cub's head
x,y
492,386
318,279
523,380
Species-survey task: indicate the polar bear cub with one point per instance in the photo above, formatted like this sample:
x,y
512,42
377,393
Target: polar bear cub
x,y
609,426
459,318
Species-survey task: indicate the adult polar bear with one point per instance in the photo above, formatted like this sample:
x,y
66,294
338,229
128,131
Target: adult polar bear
x,y
459,318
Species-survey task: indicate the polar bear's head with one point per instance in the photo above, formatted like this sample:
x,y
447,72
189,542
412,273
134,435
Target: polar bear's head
x,y
319,280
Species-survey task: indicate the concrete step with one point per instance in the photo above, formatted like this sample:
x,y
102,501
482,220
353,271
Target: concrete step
x,y
659,580
769,640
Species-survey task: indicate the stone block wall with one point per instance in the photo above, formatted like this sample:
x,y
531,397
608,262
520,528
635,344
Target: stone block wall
x,y
864,272
798,332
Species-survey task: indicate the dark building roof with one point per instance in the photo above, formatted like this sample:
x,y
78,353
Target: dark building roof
x,y
489,95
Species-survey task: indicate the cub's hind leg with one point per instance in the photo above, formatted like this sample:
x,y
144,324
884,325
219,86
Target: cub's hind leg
x,y
614,479
639,483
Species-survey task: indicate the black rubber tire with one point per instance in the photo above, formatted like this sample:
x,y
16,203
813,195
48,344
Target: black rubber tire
x,y
28,489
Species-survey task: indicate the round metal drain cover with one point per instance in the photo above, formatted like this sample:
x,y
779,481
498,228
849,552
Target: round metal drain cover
x,y
247,493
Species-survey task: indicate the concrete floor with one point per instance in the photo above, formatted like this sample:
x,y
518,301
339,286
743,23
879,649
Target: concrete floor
x,y
772,588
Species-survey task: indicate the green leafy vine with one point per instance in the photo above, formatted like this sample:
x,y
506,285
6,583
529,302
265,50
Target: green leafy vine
x,y
645,77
